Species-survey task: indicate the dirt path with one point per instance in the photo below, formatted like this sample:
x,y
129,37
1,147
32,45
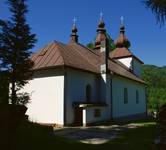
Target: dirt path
x,y
93,134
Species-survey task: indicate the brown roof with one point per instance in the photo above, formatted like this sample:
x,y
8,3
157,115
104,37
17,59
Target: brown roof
x,y
58,54
121,71
77,56
122,52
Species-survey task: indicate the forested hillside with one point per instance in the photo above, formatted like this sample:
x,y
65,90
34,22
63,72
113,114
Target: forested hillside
x,y
155,78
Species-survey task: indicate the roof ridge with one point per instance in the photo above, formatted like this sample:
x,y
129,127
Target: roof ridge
x,y
59,44
79,44
130,54
54,46
42,49
88,49
85,57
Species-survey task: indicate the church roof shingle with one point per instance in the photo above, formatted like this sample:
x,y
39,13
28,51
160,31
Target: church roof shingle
x,y
77,56
122,52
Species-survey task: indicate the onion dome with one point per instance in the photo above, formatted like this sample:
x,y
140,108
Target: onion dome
x,y
122,41
101,33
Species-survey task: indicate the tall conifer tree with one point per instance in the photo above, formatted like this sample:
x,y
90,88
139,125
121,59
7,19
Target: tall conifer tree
x,y
16,40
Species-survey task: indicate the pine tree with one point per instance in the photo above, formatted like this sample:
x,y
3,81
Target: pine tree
x,y
16,40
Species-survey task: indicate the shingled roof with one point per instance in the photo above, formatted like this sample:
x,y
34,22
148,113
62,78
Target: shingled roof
x,y
58,54
77,56
122,52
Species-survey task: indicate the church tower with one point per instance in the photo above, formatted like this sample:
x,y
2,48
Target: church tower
x,y
123,54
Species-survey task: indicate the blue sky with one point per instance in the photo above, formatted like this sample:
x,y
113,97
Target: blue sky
x,y
52,20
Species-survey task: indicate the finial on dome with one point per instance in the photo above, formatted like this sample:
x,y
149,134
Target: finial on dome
x,y
122,41
122,20
122,27
101,32
74,21
101,16
74,36
74,28
101,24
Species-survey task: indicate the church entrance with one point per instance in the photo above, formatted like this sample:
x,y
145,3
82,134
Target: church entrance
x,y
78,116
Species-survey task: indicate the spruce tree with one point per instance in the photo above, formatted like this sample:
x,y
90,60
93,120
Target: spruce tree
x,y
16,40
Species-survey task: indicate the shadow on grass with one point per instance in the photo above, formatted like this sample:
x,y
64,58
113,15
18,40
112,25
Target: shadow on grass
x,y
141,138
33,137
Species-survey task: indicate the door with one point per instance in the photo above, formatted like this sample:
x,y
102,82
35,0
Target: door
x,y
78,116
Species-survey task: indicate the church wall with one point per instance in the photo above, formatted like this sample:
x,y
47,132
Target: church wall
x,y
126,61
105,93
76,82
90,114
137,66
120,109
133,64
47,97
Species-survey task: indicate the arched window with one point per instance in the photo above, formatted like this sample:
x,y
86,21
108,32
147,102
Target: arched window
x,y
125,96
88,93
137,96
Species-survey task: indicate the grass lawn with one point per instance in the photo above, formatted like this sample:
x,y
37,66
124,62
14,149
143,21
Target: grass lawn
x,y
33,137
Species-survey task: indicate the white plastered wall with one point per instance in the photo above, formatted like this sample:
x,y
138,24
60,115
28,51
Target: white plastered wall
x,y
76,82
137,67
131,108
47,97
126,61
89,117
132,64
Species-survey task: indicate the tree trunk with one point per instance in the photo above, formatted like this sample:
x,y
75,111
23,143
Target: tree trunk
x,y
13,94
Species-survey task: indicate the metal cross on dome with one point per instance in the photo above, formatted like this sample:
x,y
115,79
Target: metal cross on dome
x,y
122,20
74,21
101,15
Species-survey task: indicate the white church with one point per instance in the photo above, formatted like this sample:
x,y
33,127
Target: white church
x,y
75,85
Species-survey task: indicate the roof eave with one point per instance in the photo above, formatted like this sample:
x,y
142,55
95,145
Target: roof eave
x,y
127,57
142,82
63,66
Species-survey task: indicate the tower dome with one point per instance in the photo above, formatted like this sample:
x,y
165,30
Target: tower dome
x,y
122,40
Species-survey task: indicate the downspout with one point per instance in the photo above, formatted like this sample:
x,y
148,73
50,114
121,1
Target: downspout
x,y
111,95
65,89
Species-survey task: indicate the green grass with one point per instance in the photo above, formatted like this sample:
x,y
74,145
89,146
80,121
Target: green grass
x,y
33,137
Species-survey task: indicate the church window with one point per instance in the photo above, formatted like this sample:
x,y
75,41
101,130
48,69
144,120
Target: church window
x,y
137,96
125,96
88,93
97,113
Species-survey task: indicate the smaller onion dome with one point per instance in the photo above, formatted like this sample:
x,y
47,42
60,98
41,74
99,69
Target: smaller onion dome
x,y
101,33
122,41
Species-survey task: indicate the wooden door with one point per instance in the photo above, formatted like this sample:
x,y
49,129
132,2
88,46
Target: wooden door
x,y
78,116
